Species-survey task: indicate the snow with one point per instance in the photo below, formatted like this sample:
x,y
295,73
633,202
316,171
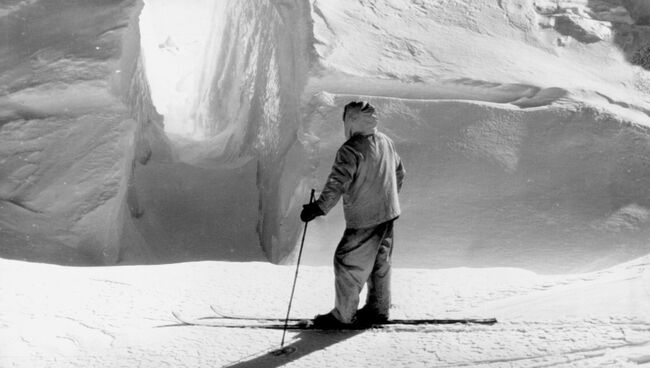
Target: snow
x,y
66,132
541,188
525,142
523,126
174,63
505,123
121,316
514,131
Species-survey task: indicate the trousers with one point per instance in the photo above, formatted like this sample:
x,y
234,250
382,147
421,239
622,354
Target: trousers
x,y
363,256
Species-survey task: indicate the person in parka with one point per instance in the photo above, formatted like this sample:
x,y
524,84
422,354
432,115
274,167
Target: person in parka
x,y
368,174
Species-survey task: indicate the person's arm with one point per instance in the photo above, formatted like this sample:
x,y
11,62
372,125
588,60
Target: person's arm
x,y
400,172
339,180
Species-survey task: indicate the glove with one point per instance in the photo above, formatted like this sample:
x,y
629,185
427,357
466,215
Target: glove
x,y
310,211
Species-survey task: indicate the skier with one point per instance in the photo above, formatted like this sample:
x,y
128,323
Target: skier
x,y
368,174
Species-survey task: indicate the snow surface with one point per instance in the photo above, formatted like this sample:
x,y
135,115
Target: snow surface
x,y
523,126
67,128
121,317
519,151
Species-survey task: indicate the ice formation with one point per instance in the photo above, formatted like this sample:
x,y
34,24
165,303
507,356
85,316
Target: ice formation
x,y
523,126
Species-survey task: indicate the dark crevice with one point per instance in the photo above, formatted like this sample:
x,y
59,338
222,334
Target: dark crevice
x,y
632,39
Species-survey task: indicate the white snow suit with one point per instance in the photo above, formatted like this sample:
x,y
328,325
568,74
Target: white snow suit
x,y
368,174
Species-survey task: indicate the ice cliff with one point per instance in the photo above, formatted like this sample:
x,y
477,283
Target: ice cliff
x,y
72,102
523,126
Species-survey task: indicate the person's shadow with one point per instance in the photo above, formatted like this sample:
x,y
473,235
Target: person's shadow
x,y
306,343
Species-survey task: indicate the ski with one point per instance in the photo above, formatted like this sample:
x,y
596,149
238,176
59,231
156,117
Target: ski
x,y
307,324
252,318
397,321
219,322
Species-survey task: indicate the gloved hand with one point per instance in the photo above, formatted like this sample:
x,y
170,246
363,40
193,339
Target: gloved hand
x,y
310,211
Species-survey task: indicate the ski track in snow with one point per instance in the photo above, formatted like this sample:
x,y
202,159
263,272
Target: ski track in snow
x,y
53,316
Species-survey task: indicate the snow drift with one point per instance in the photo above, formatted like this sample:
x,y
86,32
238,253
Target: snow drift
x,y
523,127
525,140
72,101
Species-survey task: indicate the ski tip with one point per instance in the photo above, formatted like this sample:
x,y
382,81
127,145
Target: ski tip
x,y
283,351
215,310
179,318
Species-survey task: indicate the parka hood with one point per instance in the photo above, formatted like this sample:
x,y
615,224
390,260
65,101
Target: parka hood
x,y
359,119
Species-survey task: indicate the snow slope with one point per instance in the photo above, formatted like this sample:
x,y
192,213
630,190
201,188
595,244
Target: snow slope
x,y
523,125
557,188
524,139
120,317
256,98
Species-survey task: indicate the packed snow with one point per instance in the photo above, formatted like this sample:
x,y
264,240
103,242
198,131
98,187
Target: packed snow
x,y
139,133
121,317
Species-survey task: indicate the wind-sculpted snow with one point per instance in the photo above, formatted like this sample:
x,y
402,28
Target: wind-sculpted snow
x,y
525,144
66,127
554,188
523,125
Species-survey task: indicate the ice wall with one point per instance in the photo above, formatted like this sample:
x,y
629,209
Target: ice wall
x,y
553,188
523,127
231,113
72,102
89,175
476,94
177,58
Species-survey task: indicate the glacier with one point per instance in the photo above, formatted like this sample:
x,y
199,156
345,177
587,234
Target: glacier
x,y
171,144
158,131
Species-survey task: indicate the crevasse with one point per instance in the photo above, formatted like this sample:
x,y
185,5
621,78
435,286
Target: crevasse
x,y
228,79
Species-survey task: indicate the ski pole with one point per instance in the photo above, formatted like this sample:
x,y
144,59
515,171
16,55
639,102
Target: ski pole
x,y
295,278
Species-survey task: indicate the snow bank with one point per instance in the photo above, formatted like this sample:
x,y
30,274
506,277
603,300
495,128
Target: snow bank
x,y
523,125
525,138
553,188
72,100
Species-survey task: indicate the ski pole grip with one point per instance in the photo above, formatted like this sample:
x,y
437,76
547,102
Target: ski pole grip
x,y
312,196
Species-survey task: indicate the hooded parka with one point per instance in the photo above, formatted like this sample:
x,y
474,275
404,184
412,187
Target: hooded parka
x,y
367,172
